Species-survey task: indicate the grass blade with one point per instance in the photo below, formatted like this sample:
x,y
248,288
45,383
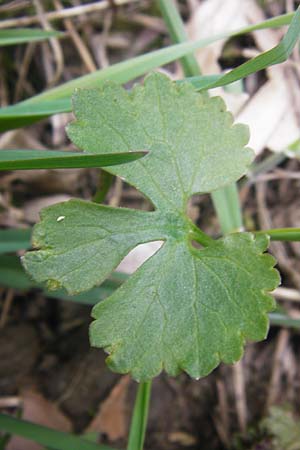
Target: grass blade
x,y
225,203
276,55
140,417
177,32
23,35
282,320
14,240
56,440
48,159
57,100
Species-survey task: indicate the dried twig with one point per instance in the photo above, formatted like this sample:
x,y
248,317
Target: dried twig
x,y
55,45
65,13
240,394
10,402
118,187
277,247
222,423
6,306
291,295
24,66
78,42
281,345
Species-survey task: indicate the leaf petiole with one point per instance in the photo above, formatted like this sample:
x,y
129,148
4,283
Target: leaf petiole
x,y
199,236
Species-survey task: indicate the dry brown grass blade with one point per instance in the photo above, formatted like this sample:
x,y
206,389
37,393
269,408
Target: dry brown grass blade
x,y
78,42
63,14
55,46
274,385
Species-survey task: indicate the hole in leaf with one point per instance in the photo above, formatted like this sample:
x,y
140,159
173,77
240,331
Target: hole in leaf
x,y
138,256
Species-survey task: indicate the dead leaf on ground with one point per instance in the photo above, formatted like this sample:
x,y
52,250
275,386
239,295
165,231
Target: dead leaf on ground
x,y
112,416
38,410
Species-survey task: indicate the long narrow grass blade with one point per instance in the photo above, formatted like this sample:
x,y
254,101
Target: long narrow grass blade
x,y
276,55
226,203
23,35
57,100
282,320
178,34
56,440
140,417
13,240
48,159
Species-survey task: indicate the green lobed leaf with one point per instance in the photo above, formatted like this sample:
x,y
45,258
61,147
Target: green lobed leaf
x,y
12,275
185,308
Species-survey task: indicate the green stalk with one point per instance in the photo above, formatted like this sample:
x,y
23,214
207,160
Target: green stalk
x,y
282,234
140,416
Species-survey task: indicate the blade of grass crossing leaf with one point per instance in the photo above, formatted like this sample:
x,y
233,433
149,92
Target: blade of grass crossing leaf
x,y
43,159
57,100
23,35
128,70
226,203
140,417
14,240
56,440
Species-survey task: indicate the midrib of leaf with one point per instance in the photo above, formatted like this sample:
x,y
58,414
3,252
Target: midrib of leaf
x,y
171,153
194,305
156,298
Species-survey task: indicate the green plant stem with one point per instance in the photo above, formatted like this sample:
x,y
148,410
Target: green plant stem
x,y
282,234
140,417
199,236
